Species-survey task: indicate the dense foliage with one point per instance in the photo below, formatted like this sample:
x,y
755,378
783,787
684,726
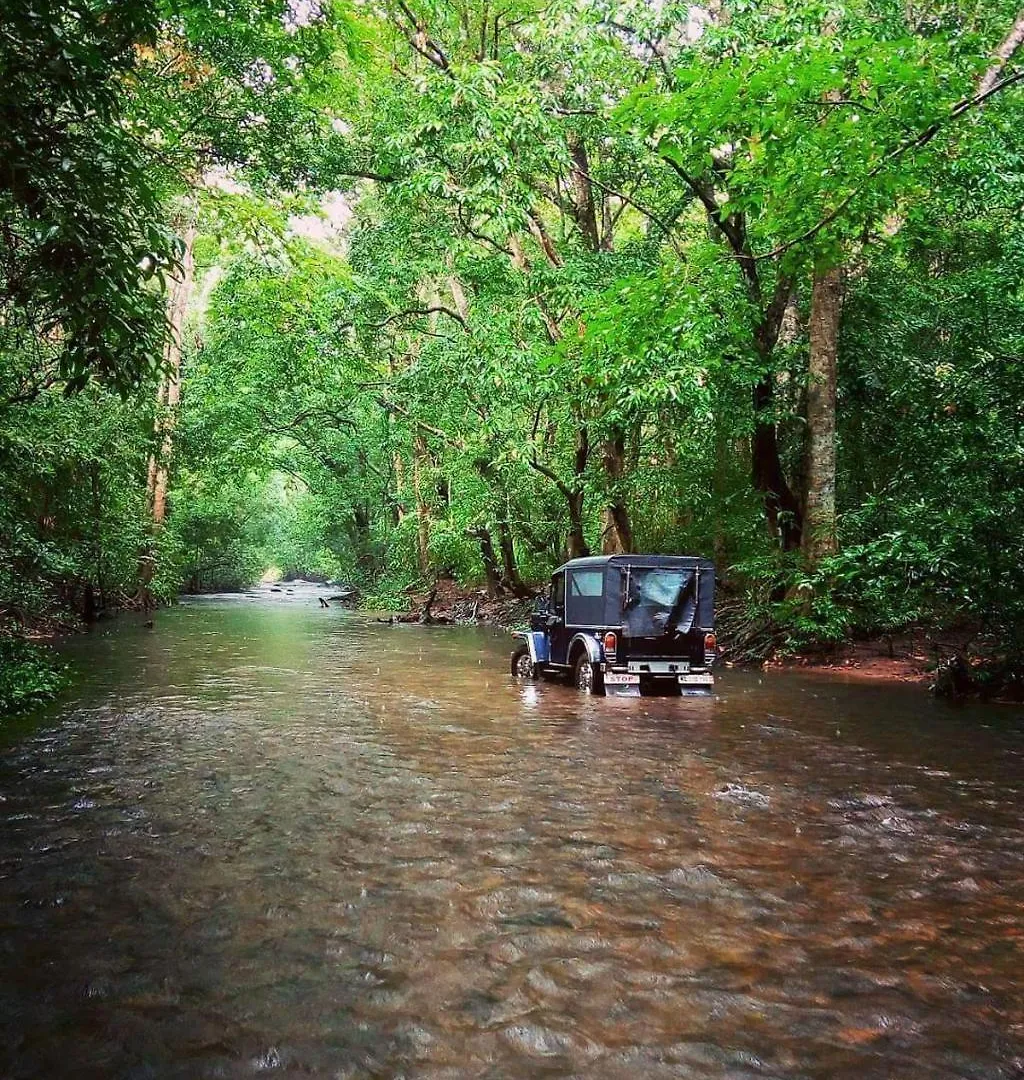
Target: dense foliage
x,y
475,289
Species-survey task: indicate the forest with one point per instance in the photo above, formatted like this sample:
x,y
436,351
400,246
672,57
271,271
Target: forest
x,y
459,288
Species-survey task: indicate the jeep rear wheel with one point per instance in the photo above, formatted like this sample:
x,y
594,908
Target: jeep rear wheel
x,y
587,676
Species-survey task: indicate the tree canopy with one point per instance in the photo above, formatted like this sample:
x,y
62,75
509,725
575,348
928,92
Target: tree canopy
x,y
465,288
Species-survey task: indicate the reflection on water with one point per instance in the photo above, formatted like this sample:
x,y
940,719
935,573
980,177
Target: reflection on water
x,y
270,839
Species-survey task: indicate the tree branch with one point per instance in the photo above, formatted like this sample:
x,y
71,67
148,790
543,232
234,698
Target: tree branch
x,y
482,237
438,309
540,234
1010,44
421,41
398,410
664,226
551,475
922,138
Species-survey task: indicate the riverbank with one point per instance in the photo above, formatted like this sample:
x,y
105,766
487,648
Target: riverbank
x,y
956,664
448,602
903,659
953,663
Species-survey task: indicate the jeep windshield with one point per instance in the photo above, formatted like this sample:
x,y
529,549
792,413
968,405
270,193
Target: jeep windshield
x,y
658,601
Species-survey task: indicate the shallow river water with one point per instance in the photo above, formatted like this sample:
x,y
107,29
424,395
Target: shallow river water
x,y
265,839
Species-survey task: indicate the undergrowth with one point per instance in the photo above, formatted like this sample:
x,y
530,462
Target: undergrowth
x,y
29,676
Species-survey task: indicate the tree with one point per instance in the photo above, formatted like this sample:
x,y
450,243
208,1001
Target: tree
x,y
819,532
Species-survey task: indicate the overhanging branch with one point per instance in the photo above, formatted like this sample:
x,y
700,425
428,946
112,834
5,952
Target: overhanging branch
x,y
438,309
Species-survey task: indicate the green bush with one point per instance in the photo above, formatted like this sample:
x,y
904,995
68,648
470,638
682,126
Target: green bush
x,y
28,676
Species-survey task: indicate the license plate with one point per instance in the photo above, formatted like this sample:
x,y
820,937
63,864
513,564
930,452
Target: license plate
x,y
696,680
614,678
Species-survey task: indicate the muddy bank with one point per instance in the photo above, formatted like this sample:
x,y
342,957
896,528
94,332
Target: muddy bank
x,y
447,602
955,664
906,660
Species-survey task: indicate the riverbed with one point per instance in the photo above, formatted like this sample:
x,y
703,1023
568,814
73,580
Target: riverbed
x,y
263,838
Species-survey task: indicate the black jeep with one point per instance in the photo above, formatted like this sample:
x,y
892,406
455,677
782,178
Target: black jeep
x,y
625,624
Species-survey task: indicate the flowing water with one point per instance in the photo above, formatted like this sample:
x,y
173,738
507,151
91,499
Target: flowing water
x,y
268,839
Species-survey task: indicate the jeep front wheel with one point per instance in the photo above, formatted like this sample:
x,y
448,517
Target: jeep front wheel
x,y
523,666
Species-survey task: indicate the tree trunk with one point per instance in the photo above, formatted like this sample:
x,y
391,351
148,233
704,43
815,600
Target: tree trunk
x,y
585,211
490,561
819,532
540,234
510,578
459,296
577,547
167,399
576,542
781,507
510,568
398,511
607,224
169,394
617,529
361,520
420,461
97,538
720,490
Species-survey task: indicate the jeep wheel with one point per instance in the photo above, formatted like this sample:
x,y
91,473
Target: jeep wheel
x,y
586,676
523,666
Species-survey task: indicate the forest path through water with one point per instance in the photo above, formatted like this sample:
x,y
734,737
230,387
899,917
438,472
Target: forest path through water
x,y
269,839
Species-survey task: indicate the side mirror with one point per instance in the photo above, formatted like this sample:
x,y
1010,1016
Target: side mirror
x,y
542,605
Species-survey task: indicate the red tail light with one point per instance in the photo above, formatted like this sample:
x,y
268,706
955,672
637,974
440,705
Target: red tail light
x,y
611,643
710,643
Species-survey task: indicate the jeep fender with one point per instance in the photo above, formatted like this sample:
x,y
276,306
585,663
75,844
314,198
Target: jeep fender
x,y
538,645
589,643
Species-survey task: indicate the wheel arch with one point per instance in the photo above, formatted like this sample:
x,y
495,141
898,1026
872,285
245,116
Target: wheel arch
x,y
581,643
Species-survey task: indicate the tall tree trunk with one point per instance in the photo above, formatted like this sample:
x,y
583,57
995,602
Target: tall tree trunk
x,y
781,507
585,211
510,569
420,462
170,391
398,511
459,296
576,543
490,561
574,494
510,578
607,224
617,529
361,520
819,532
167,399
720,489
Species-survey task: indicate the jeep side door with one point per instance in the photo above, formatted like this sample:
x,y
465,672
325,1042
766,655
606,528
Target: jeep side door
x,y
558,636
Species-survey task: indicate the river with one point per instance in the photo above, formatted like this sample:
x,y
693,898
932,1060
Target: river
x,y
268,839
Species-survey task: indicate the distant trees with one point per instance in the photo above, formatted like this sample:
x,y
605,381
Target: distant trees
x,y
110,113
